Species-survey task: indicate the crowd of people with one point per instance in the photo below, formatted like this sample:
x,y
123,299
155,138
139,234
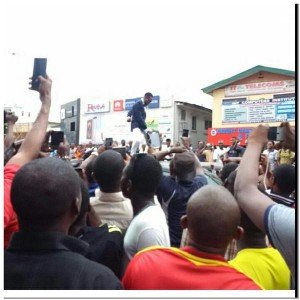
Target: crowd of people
x,y
87,217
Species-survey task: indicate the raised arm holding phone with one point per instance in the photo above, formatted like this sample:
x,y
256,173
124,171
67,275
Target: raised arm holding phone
x,y
276,220
28,151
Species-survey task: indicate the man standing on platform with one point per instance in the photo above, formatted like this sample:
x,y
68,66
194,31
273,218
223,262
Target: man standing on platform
x,y
138,124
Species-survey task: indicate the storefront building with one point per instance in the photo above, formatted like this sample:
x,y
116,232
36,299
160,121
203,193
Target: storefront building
x,y
100,119
258,95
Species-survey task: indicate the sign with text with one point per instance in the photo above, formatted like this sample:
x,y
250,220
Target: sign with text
x,y
130,102
96,106
277,109
118,105
155,102
270,87
214,135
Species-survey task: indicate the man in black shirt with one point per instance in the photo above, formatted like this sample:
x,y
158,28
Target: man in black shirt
x,y
46,197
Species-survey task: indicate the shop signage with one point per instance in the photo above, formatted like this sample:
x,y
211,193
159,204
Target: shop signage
x,y
97,107
118,105
214,135
280,107
130,102
155,102
270,87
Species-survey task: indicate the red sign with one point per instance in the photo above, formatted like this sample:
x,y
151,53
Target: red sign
x,y
118,105
214,135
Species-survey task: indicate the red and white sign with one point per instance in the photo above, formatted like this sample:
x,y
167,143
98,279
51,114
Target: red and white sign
x,y
118,105
97,106
269,87
214,135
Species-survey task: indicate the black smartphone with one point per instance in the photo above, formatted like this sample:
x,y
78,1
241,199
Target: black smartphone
x,y
121,150
39,68
275,134
108,143
56,137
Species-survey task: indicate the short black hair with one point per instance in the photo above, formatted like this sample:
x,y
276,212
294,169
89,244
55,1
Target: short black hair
x,y
123,142
227,169
168,140
148,95
89,169
43,191
145,174
285,178
246,223
108,167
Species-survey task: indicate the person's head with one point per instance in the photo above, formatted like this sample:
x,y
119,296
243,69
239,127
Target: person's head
x,y
123,143
208,146
89,171
148,99
221,144
226,170
213,218
130,143
62,150
184,166
141,177
270,145
201,144
177,144
168,142
233,140
108,167
251,231
283,179
46,195
80,221
72,146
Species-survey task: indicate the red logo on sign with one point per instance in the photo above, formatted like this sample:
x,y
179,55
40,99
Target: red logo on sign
x,y
118,105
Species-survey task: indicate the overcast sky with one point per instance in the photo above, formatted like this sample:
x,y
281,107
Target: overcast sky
x,y
122,49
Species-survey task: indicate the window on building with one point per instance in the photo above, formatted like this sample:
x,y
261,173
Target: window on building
x,y
194,123
207,124
183,115
22,113
72,126
73,111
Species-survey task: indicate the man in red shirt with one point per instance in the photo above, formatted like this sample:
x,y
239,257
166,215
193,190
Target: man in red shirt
x,y
212,220
28,151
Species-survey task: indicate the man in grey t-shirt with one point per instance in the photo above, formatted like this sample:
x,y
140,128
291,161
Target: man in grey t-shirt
x,y
276,220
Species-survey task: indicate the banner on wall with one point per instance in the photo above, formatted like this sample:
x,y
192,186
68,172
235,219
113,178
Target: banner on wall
x,y
89,129
280,107
270,87
214,135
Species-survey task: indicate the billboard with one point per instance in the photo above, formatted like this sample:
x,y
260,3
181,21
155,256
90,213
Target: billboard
x,y
130,102
270,87
155,102
214,135
280,107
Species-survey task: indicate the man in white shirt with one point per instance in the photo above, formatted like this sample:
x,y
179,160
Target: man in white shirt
x,y
109,204
149,226
219,153
272,155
